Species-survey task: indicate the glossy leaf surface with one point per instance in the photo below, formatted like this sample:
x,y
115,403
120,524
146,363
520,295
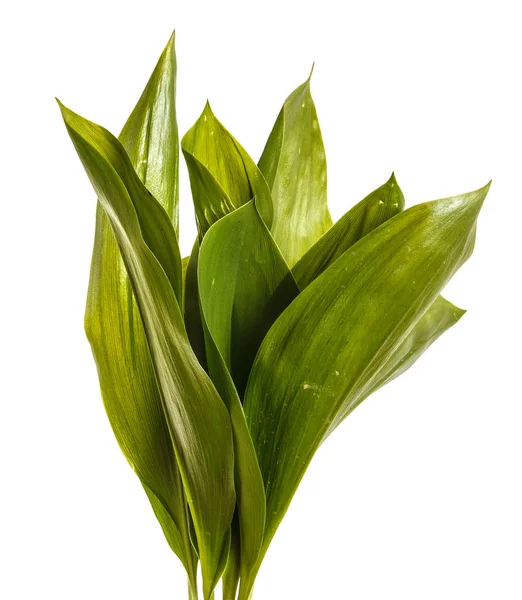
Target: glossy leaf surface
x,y
244,286
197,418
192,311
150,135
294,165
354,317
440,317
223,177
374,210
114,327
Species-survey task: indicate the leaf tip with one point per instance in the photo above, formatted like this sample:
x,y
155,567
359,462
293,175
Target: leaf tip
x,y
66,112
311,73
480,195
207,112
458,313
171,43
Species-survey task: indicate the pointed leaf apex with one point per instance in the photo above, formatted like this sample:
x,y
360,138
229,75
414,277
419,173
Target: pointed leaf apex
x,y
207,112
60,106
311,73
392,178
459,313
67,113
480,195
172,42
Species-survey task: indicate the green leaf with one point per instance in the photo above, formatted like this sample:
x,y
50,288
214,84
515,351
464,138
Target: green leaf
x,y
294,165
184,268
150,136
211,202
114,327
198,421
371,212
251,503
374,210
326,351
222,175
440,317
231,573
192,312
244,285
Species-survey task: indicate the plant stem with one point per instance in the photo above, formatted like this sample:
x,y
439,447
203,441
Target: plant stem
x,y
192,590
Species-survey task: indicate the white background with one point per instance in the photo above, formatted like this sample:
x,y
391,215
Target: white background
x,y
418,495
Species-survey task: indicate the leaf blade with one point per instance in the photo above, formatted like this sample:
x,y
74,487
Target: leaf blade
x,y
388,279
114,327
244,285
294,165
441,316
223,177
197,419
150,135
374,210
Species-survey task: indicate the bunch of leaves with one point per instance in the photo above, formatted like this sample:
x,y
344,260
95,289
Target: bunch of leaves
x,y
223,372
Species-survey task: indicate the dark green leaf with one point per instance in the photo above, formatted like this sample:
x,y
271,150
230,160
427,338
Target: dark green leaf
x,y
327,350
192,312
244,285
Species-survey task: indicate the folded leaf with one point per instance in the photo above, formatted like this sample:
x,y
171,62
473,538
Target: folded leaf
x,y
211,202
223,177
294,165
326,351
150,135
192,311
379,206
114,327
197,418
440,317
248,530
244,285
231,573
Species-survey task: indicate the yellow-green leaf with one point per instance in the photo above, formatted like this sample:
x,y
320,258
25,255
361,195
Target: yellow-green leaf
x,y
440,317
150,135
198,420
379,206
294,165
114,327
222,174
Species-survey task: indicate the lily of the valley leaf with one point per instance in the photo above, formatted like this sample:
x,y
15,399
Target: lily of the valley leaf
x,y
113,323
294,165
190,400
386,282
223,372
